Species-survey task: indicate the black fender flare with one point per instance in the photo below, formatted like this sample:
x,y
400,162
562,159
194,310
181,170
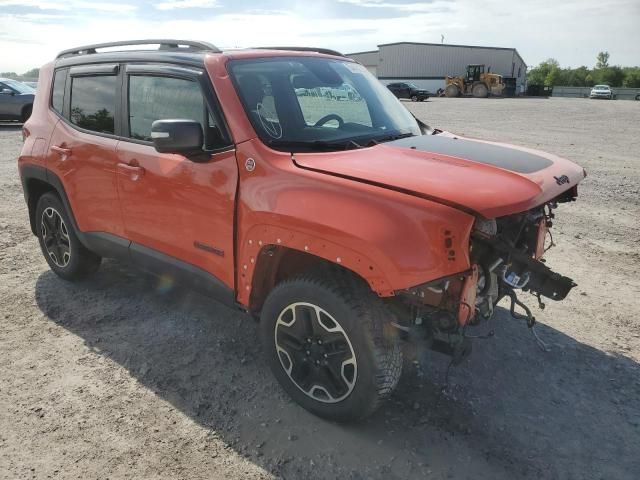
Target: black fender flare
x,y
44,175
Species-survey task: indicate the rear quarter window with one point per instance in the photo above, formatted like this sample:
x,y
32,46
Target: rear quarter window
x,y
57,94
93,103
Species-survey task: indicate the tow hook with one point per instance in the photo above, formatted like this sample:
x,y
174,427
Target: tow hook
x,y
530,319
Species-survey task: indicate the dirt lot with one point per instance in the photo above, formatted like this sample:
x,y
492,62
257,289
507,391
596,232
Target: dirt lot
x,y
120,377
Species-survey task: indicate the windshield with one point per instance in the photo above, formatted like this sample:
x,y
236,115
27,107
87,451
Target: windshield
x,y
601,87
18,86
312,103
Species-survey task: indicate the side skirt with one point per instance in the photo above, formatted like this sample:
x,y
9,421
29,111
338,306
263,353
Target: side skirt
x,y
159,264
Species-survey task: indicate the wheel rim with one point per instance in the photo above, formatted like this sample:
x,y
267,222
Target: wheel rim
x,y
315,352
55,237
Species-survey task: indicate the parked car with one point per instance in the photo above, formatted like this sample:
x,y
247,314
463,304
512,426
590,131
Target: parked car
x,y
408,90
204,167
33,85
16,100
601,91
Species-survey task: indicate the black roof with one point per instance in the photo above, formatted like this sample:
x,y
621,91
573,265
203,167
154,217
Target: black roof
x,y
173,51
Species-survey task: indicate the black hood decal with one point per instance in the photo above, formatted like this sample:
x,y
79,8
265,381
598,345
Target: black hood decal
x,y
502,157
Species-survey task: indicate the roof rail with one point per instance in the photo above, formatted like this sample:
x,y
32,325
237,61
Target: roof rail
x,y
325,51
191,45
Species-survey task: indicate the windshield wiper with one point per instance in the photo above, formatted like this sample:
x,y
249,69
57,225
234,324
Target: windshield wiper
x,y
391,138
316,145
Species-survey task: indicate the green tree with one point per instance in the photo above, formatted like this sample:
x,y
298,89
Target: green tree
x,y
9,74
588,81
612,76
33,73
544,73
602,60
631,77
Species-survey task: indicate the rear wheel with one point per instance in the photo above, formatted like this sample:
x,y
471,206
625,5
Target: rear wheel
x,y
452,91
414,98
330,344
480,90
66,256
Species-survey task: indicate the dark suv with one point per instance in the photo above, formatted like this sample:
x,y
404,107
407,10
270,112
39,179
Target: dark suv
x,y
408,90
340,222
16,100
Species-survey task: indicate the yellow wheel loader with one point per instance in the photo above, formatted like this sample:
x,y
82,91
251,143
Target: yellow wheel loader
x,y
476,83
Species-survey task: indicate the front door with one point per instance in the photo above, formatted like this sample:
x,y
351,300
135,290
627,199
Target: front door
x,y
180,208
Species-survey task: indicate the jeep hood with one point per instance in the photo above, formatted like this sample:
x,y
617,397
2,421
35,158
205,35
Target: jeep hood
x,y
485,178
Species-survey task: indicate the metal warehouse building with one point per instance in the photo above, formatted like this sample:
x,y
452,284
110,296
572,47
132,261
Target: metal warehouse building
x,y
428,64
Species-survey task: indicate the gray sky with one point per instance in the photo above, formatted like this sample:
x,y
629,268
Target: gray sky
x,y
572,31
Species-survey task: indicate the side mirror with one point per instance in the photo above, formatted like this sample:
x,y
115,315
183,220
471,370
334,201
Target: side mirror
x,y
177,136
7,91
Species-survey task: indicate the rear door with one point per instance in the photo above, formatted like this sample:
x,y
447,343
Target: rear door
x,y
82,148
176,209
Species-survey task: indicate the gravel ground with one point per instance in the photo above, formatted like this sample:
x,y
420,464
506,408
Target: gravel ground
x,y
117,377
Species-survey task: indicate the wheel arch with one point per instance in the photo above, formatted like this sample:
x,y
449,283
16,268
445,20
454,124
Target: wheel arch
x,y
24,109
36,181
276,263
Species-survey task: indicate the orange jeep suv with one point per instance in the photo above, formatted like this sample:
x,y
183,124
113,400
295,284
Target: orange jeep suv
x,y
344,224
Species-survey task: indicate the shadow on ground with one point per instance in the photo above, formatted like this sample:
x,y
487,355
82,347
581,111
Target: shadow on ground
x,y
510,411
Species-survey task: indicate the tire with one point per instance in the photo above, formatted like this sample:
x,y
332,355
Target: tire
x,y
26,113
348,375
452,91
480,90
414,98
424,99
62,250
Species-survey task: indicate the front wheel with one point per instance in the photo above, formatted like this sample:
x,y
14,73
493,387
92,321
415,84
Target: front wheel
x,y
330,344
480,90
451,91
414,98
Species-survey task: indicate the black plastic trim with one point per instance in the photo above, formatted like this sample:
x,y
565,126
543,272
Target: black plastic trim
x,y
92,70
186,274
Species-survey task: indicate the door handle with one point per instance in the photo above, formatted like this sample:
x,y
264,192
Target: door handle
x,y
63,152
131,171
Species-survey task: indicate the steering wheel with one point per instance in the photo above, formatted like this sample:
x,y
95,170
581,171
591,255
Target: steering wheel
x,y
327,118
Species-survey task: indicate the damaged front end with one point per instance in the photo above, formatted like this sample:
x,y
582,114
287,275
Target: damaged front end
x,y
506,256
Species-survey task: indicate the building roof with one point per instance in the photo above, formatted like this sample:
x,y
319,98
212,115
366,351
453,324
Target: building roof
x,y
362,53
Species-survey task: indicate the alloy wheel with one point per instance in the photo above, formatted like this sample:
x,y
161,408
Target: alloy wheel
x,y
55,237
315,352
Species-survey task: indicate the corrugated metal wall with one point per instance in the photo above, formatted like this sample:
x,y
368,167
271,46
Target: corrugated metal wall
x,y
369,59
583,92
424,64
415,60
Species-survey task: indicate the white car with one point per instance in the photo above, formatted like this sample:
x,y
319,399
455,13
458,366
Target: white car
x,y
601,91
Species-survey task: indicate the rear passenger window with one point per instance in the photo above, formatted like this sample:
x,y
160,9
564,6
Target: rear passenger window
x,y
161,98
57,96
93,102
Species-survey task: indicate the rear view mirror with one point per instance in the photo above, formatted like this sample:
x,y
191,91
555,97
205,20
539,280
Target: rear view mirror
x,y
177,136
